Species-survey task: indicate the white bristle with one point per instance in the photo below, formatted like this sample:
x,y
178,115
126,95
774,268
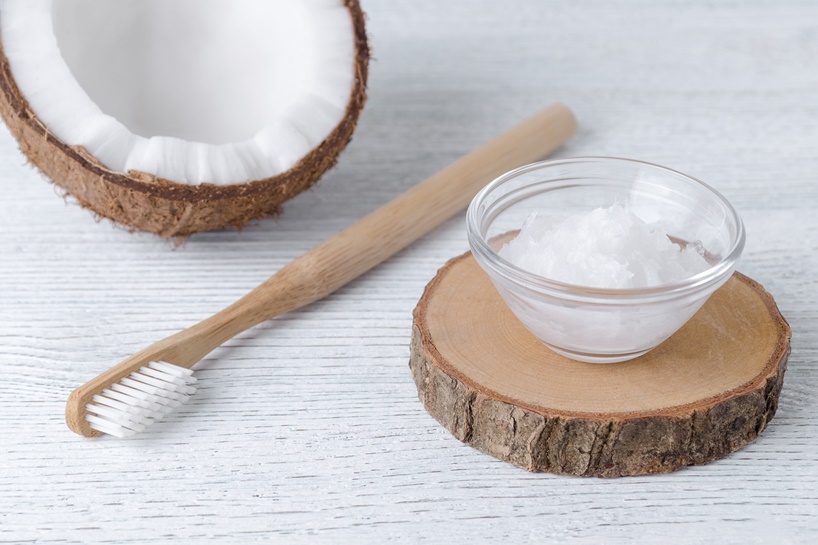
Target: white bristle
x,y
140,399
168,383
148,371
182,372
131,397
157,392
133,403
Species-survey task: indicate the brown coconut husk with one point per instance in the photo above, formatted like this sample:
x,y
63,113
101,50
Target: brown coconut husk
x,y
142,201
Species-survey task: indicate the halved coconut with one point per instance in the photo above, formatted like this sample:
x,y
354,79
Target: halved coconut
x,y
179,116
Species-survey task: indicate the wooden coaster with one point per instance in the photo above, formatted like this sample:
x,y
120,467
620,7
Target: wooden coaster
x,y
705,392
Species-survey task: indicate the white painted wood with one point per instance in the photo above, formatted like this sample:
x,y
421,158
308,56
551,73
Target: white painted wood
x,y
307,429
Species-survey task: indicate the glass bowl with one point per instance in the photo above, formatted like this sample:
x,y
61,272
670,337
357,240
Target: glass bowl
x,y
594,324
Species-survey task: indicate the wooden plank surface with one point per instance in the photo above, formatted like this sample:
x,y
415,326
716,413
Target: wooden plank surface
x,y
307,429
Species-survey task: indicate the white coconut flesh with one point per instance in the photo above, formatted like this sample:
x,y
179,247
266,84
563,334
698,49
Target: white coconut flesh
x,y
192,91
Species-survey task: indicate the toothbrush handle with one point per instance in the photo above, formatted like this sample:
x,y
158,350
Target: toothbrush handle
x,y
387,230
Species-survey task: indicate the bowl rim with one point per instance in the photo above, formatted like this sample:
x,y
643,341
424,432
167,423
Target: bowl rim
x,y
485,255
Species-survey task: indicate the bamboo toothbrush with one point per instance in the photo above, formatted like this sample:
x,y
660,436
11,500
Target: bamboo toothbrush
x,y
148,385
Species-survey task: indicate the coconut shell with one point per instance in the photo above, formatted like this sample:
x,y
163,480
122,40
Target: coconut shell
x,y
142,201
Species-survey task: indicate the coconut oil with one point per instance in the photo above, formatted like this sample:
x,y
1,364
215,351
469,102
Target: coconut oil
x,y
605,248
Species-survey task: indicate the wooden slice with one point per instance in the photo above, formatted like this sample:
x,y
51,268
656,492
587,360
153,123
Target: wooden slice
x,y
705,392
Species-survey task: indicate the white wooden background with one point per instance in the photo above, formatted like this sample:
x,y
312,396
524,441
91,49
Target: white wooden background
x,y
307,429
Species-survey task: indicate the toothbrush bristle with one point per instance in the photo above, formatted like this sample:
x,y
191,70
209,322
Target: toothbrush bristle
x,y
140,399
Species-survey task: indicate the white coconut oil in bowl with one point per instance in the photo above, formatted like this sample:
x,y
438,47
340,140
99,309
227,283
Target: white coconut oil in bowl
x,y
603,259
